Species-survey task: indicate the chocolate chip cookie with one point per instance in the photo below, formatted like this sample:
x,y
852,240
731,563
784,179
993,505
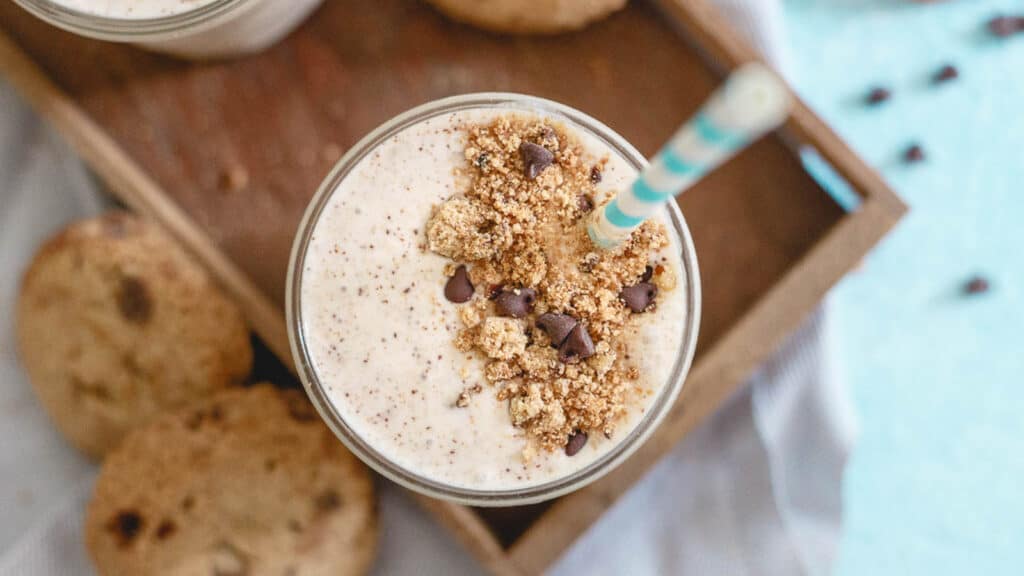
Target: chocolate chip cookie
x,y
116,323
528,16
250,483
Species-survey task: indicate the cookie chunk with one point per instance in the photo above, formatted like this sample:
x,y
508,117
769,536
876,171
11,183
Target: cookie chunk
x,y
116,323
528,16
251,482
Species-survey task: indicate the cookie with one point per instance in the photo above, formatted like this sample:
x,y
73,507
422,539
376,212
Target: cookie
x,y
250,483
528,16
115,323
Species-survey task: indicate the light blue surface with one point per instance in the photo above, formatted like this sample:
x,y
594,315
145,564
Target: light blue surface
x,y
936,485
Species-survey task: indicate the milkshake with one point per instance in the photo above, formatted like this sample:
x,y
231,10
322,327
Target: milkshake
x,y
455,325
187,28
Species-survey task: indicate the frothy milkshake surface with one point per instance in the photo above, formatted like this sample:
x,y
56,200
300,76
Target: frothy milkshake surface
x,y
380,333
134,9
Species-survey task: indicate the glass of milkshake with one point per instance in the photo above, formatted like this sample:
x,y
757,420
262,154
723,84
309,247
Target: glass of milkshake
x,y
452,321
186,28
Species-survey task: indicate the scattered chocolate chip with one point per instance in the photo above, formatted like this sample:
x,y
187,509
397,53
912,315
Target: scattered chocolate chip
x,y
165,530
877,95
913,154
493,290
459,289
585,203
556,326
300,409
638,297
576,443
577,346
229,561
945,74
648,273
134,301
595,175
1004,26
328,501
977,285
535,159
481,160
515,303
125,526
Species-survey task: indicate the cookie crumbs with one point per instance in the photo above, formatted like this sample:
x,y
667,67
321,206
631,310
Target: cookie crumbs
x,y
521,225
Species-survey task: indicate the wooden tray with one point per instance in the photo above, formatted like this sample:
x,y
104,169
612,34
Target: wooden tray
x,y
226,155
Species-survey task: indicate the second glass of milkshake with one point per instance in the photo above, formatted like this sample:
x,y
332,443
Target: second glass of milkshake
x,y
454,326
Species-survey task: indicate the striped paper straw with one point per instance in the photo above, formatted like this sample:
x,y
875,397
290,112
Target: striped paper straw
x,y
752,102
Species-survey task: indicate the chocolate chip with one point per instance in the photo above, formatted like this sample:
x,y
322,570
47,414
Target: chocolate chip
x,y
638,297
585,203
165,530
134,301
459,289
535,159
595,175
977,285
515,303
556,326
126,526
493,290
945,74
577,346
877,95
1003,26
576,443
913,154
648,273
328,501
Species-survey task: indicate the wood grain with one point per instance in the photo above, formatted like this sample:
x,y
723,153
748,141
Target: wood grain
x,y
227,154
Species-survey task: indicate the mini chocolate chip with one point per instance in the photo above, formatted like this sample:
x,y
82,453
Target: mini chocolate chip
x,y
576,443
913,154
945,74
638,297
126,526
459,289
877,95
515,303
1003,26
134,301
648,273
165,530
577,346
585,203
328,501
556,326
595,175
977,285
535,159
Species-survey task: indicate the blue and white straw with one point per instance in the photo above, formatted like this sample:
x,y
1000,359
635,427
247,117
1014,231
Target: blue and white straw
x,y
752,102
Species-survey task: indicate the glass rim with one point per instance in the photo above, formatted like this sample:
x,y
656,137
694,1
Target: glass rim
x,y
127,29
385,466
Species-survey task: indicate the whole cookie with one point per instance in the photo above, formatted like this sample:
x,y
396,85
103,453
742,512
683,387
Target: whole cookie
x,y
528,16
250,483
115,324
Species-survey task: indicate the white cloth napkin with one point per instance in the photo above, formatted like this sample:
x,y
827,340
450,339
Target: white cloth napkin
x,y
755,490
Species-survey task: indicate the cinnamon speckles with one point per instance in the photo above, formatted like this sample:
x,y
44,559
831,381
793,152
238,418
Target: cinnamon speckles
x,y
134,301
535,159
459,289
327,501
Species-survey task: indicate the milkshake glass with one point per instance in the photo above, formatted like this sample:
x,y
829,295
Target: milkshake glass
x,y
371,337
186,28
